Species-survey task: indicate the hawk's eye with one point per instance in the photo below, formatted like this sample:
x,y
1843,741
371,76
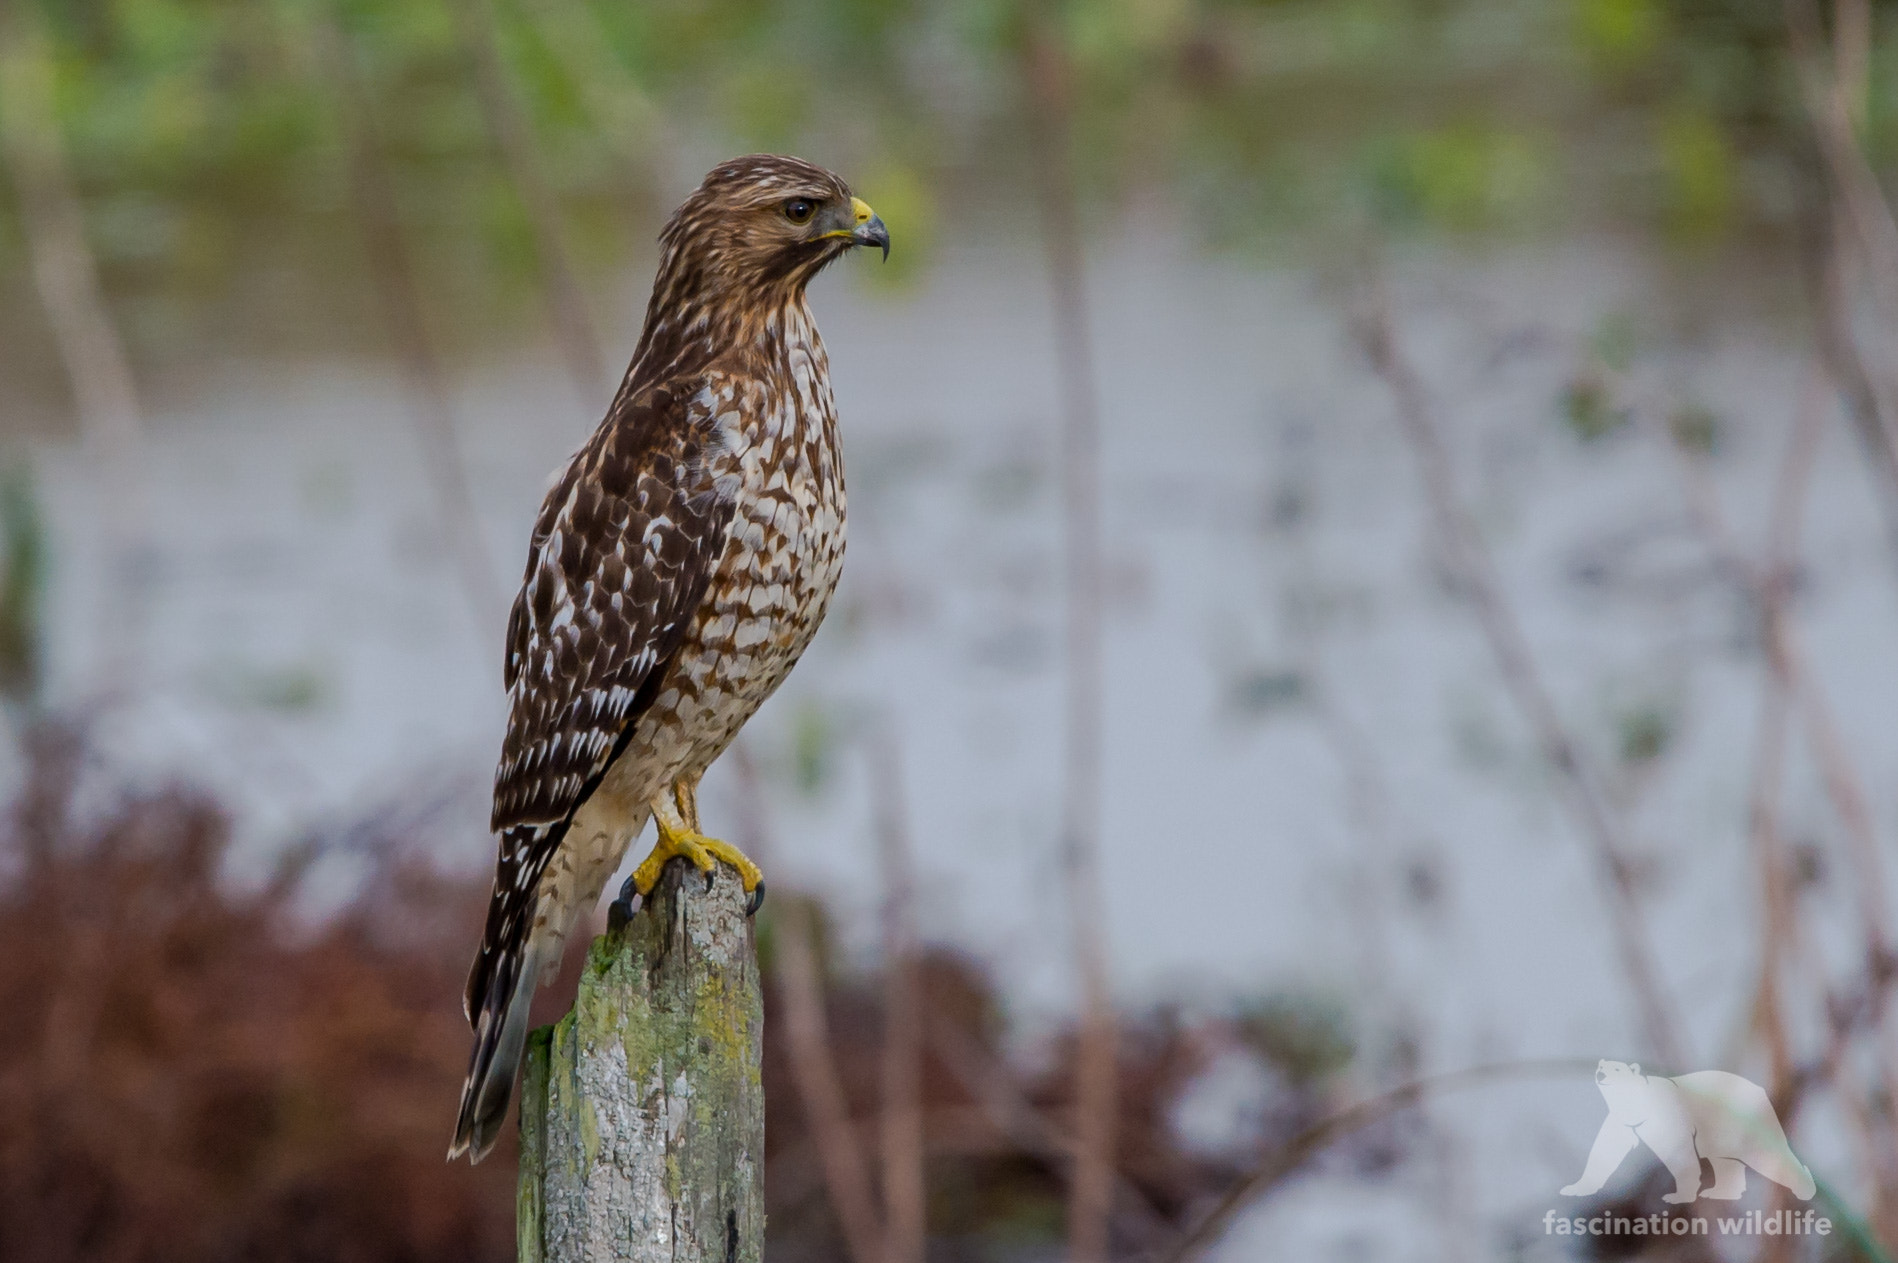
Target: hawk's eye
x,y
799,210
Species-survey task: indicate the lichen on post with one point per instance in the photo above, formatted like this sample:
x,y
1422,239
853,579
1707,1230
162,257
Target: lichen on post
x,y
642,1110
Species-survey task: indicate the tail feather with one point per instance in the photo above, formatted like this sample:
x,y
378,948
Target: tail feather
x,y
500,1034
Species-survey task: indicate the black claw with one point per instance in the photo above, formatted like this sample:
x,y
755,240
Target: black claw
x,y
711,875
621,910
756,901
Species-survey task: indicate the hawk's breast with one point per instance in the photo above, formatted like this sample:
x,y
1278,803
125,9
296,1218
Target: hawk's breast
x,y
781,562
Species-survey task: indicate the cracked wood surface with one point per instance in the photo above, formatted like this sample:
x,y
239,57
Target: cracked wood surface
x,y
642,1110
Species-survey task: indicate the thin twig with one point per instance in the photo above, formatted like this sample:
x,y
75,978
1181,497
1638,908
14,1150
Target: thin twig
x,y
1854,183
1791,684
1779,686
1862,236
66,275
826,1110
381,223
1769,584
904,1195
1476,573
513,140
1276,1168
1852,54
1866,404
1095,1074
619,107
985,1079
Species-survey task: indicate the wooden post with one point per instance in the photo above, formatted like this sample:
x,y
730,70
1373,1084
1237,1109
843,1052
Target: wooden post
x,y
642,1111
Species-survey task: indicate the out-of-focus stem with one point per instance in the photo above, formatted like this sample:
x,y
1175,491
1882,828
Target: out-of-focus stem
x,y
1861,238
381,224
1852,54
1094,1087
1867,403
513,140
1475,571
814,1070
619,106
1791,686
904,1198
1287,1160
66,276
1001,1102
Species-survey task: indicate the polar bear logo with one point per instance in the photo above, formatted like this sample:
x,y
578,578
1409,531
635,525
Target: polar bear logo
x,y
1709,1114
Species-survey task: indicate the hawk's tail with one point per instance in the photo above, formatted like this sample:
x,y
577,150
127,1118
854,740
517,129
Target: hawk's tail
x,y
500,1033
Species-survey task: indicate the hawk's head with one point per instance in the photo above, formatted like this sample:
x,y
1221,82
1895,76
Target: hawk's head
x,y
766,220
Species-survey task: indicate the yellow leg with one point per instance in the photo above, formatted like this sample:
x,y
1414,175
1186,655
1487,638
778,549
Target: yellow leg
x,y
677,814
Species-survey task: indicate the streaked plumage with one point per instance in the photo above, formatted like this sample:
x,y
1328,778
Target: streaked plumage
x,y
676,572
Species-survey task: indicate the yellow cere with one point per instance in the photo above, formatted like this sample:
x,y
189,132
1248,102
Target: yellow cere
x,y
860,209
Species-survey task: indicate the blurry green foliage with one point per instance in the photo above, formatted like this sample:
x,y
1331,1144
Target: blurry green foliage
x,y
1305,1034
1466,177
1615,341
294,688
1265,690
1700,167
1589,404
1696,429
22,585
1590,409
1644,732
814,739
1026,1215
902,197
1619,34
207,135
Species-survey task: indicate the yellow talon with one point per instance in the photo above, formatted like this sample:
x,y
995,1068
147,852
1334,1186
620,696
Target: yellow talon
x,y
679,836
704,852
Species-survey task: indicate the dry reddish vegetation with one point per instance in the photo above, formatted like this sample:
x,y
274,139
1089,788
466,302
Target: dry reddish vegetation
x,y
191,1072
186,1076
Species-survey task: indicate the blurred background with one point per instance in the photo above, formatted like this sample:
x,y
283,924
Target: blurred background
x,y
1494,576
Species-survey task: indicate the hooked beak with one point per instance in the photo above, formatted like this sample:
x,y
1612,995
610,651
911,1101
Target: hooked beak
x,y
866,228
873,233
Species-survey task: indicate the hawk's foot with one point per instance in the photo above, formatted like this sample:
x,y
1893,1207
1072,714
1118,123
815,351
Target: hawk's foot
x,y
704,853
621,910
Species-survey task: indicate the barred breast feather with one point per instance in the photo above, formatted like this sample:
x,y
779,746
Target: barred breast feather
x,y
622,553
676,572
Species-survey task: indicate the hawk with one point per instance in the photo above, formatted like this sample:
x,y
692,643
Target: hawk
x,y
677,570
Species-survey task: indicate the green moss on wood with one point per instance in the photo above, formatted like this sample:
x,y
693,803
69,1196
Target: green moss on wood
x,y
528,1206
654,1111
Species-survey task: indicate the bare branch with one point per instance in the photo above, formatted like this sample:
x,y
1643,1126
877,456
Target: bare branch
x,y
1603,826
1791,685
1095,1074
815,1071
1314,1139
904,1195
513,140
1015,1116
381,223
66,275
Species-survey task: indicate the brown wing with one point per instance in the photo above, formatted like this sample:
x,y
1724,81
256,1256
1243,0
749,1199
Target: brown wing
x,y
622,554
621,557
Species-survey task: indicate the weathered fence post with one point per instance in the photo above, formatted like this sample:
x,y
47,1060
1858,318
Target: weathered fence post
x,y
642,1111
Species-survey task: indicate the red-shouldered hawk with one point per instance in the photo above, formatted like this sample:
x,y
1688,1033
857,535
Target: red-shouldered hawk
x,y
676,572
